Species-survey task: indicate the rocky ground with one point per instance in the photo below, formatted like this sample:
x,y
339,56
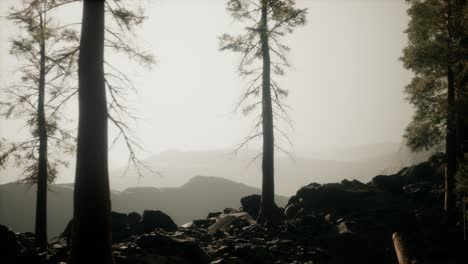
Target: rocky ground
x,y
347,222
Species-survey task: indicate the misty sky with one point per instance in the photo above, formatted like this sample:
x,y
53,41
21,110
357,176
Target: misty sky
x,y
345,84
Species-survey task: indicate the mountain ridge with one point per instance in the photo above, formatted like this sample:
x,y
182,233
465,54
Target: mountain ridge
x,y
193,200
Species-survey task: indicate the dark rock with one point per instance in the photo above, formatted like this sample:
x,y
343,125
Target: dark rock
x,y
292,210
421,173
229,260
221,251
218,234
347,183
390,183
9,245
293,200
157,219
58,251
164,245
27,239
205,223
230,210
359,185
214,214
230,221
134,219
251,204
134,223
119,220
120,227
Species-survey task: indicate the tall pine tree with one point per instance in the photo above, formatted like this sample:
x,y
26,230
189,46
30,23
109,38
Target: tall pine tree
x,y
437,54
262,52
49,52
91,235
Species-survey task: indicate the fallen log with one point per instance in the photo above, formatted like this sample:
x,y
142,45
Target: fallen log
x,y
402,249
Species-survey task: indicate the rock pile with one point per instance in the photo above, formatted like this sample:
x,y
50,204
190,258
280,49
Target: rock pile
x,y
347,222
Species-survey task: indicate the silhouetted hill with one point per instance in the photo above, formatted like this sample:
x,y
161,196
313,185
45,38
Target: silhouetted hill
x,y
177,167
192,200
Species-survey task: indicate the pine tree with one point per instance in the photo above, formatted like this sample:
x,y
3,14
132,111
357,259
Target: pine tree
x,y
262,52
437,56
91,235
50,55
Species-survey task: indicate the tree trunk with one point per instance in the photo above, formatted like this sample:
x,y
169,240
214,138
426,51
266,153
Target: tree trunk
x,y
268,208
41,198
461,85
451,135
91,238
450,148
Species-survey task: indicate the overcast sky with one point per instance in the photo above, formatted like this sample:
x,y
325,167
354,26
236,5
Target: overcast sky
x,y
345,84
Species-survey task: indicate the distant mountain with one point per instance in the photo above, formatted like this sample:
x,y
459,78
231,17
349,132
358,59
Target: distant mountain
x,y
177,167
192,200
361,163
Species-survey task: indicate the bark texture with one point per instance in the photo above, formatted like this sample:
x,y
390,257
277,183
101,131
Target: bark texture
x,y
91,238
268,208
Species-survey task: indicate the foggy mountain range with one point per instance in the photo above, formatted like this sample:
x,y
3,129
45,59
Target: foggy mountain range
x,y
361,163
175,167
193,200
184,196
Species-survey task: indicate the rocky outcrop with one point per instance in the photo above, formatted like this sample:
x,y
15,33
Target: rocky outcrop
x,y
366,215
165,245
430,171
251,204
157,219
10,247
126,225
346,222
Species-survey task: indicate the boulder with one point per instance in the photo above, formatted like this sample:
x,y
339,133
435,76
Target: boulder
x,y
120,227
9,245
214,214
225,222
164,245
390,183
292,210
134,223
251,204
123,226
203,223
157,219
230,210
423,172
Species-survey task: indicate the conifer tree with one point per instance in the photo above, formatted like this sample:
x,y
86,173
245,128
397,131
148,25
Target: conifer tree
x,y
437,54
91,235
49,53
263,55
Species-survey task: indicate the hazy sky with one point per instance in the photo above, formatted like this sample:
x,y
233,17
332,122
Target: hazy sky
x,y
345,84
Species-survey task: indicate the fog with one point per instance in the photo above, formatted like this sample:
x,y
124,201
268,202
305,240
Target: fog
x,y
345,83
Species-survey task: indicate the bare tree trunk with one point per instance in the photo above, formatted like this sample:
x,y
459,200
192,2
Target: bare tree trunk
x,y
451,136
41,198
91,238
450,149
460,83
268,208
